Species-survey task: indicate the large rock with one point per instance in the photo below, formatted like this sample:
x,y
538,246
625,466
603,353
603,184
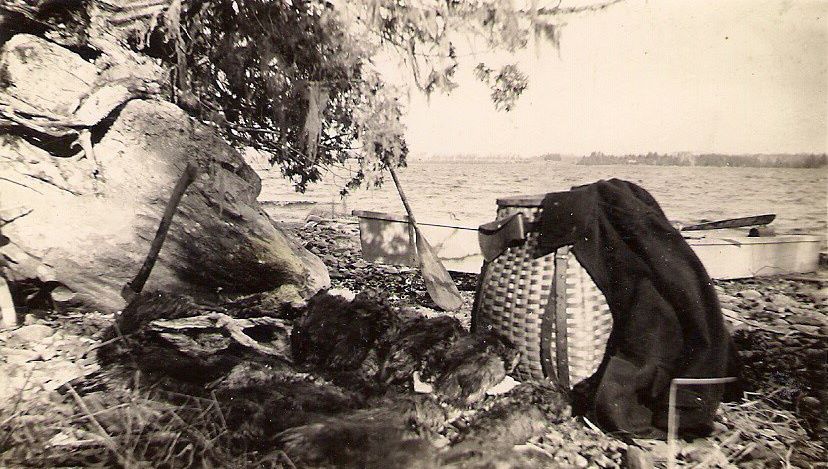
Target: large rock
x,y
70,175
45,75
87,221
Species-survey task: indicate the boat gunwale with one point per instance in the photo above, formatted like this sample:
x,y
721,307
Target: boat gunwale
x,y
392,217
692,240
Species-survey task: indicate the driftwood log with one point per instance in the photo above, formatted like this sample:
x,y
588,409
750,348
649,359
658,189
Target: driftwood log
x,y
224,330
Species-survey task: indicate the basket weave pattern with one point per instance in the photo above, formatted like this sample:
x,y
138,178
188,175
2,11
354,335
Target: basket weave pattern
x,y
515,291
588,320
519,297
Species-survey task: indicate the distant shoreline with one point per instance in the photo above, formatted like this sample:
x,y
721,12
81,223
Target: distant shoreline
x,y
710,159
649,159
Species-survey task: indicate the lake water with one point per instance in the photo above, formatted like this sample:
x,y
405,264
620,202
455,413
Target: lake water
x,y
466,192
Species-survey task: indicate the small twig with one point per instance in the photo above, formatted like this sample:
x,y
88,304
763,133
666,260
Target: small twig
x,y
592,426
744,452
285,458
106,342
574,10
197,398
191,457
218,409
541,449
189,427
788,457
774,330
18,399
110,442
169,454
206,411
103,411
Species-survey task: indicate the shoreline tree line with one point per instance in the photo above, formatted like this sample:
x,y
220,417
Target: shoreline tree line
x,y
799,160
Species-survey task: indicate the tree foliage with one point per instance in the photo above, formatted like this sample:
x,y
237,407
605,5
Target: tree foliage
x,y
286,79
296,79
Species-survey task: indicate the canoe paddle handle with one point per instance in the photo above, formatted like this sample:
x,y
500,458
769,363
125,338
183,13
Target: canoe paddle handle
x,y
438,282
402,196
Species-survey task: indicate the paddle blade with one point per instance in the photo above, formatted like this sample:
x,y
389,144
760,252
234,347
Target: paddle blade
x,y
440,286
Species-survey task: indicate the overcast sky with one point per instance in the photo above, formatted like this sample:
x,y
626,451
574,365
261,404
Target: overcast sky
x,y
731,76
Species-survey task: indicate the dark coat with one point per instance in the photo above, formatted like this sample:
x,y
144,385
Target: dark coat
x,y
667,321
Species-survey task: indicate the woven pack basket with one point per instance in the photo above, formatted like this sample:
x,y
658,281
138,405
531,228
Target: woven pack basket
x,y
548,307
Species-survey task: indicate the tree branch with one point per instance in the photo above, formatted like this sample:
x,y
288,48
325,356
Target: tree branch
x,y
556,10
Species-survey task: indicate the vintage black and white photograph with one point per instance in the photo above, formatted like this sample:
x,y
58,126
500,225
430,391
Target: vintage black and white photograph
x,y
381,234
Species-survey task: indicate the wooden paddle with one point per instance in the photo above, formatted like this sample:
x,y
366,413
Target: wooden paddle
x,y
438,282
732,223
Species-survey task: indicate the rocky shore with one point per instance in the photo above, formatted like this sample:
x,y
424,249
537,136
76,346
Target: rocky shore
x,y
65,402
781,329
780,323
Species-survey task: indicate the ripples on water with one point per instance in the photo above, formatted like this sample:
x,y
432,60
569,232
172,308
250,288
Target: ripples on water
x,y
466,192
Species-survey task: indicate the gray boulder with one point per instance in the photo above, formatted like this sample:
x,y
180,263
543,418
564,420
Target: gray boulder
x,y
84,217
44,75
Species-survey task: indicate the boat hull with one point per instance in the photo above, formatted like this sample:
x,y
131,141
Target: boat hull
x,y
731,257
726,254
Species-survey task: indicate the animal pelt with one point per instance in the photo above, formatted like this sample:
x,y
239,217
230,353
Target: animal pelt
x,y
421,345
399,431
263,304
308,410
337,334
516,417
394,432
255,414
365,344
346,444
149,306
472,365
193,357
489,436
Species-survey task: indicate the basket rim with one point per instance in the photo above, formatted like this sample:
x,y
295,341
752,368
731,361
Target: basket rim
x,y
529,200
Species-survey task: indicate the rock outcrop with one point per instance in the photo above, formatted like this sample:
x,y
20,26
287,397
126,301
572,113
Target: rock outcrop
x,y
88,160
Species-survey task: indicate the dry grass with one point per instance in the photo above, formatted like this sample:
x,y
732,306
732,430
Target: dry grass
x,y
122,428
129,428
752,433
757,430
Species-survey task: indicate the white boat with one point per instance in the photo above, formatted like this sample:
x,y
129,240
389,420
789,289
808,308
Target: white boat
x,y
726,254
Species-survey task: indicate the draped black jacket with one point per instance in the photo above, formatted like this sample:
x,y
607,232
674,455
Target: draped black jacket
x,y
667,321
